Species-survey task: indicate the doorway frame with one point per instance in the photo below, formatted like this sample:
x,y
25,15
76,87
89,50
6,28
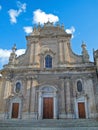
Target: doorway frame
x,y
82,99
15,100
47,93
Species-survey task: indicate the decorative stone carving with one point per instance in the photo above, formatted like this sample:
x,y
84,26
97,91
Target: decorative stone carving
x,y
12,58
85,53
40,82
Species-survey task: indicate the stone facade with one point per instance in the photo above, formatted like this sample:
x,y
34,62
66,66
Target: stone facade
x,y
49,80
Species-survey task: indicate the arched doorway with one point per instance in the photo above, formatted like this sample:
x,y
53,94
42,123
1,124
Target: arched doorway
x,y
47,103
15,108
81,107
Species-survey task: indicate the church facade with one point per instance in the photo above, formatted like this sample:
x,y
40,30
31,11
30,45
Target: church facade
x,y
49,81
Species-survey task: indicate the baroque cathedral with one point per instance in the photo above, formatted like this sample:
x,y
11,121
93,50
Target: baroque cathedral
x,y
49,81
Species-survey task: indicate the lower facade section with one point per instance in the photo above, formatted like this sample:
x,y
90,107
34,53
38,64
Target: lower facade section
x,y
48,104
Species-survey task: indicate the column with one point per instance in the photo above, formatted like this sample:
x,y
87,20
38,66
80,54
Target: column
x,y
68,100
63,51
33,100
40,106
31,53
29,102
37,50
6,102
28,95
34,53
62,115
76,108
32,97
60,52
66,51
55,106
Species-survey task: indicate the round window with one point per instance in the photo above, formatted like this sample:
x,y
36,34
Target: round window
x,y
79,86
18,87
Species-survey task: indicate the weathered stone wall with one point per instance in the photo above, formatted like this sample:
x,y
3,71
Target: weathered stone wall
x,y
60,80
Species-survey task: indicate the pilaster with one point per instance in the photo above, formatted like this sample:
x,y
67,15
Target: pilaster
x,y
40,106
55,106
31,97
34,48
68,98
63,113
61,55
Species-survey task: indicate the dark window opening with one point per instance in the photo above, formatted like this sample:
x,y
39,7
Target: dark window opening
x,y
48,61
18,87
79,86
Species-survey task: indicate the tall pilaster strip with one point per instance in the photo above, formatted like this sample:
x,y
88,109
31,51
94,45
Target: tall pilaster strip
x,y
62,96
68,101
28,94
40,106
7,91
64,52
36,53
67,53
55,105
58,52
33,96
32,54
61,55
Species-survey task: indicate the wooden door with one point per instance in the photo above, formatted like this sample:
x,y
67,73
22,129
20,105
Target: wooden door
x,y
48,108
81,110
15,110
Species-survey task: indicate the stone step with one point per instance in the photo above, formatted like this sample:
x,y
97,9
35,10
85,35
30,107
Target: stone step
x,y
56,128
69,124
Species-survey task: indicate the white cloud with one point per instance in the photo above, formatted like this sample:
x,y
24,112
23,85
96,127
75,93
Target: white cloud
x,y
20,52
4,55
0,7
71,31
15,13
28,29
42,17
22,7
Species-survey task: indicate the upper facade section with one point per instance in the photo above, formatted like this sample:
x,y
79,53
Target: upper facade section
x,y
49,47
49,30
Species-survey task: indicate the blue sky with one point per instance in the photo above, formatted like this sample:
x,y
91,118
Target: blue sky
x,y
17,18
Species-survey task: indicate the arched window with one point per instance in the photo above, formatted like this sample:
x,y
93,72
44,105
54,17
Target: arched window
x,y
48,61
18,87
79,86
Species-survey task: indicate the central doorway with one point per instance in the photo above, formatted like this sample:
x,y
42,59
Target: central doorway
x,y
81,110
47,108
15,110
